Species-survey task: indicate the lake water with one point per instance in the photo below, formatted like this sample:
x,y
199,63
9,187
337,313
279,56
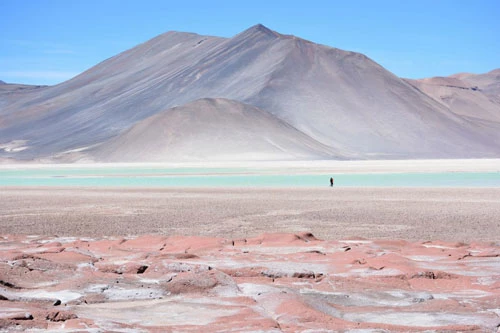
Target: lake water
x,y
234,177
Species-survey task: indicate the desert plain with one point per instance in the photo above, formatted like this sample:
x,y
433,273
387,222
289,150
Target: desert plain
x,y
329,259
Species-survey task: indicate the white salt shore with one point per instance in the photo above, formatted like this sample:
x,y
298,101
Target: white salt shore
x,y
312,167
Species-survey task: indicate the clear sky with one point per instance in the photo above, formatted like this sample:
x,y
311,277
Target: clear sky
x,y
49,41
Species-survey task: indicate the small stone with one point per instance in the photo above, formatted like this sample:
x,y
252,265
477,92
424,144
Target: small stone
x,y
60,316
23,316
142,269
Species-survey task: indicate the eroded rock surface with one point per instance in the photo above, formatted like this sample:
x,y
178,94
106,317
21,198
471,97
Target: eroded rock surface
x,y
271,283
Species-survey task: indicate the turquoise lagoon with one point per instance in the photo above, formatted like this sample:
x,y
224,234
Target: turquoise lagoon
x,y
234,177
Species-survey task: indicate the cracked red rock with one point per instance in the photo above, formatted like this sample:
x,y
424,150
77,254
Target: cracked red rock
x,y
273,282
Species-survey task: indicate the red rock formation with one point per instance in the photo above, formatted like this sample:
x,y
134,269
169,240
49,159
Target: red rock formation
x,y
268,283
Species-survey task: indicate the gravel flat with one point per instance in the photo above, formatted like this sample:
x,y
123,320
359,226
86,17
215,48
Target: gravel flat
x,y
447,214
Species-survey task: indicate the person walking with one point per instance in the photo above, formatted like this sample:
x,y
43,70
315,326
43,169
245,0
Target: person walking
x,y
331,181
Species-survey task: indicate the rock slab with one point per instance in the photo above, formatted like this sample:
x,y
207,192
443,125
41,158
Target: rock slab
x,y
270,283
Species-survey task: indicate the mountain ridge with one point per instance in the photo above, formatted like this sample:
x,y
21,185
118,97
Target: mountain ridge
x,y
341,99
466,94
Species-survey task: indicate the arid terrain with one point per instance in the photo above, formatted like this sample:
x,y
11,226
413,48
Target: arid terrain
x,y
255,259
449,214
245,259
132,252
269,283
259,95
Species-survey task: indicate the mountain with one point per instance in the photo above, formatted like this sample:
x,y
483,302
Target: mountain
x,y
471,96
10,93
488,83
214,129
339,100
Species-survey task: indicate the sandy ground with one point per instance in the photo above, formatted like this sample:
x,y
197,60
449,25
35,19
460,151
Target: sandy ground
x,y
329,213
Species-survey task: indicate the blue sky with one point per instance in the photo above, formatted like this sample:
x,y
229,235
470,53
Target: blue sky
x,y
49,41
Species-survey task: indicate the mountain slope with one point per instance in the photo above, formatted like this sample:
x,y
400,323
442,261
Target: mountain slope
x,y
12,92
345,100
488,83
218,129
106,99
341,99
464,97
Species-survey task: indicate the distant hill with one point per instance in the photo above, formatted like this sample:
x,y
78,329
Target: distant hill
x,y
488,83
11,93
214,129
328,102
473,96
